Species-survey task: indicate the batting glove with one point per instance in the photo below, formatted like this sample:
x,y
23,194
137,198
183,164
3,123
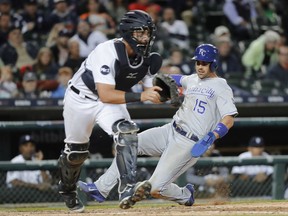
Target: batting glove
x,y
203,145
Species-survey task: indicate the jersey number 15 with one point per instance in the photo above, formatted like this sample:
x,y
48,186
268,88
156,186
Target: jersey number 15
x,y
199,106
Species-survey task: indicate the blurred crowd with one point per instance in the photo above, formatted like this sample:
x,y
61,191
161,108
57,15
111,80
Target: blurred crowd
x,y
43,42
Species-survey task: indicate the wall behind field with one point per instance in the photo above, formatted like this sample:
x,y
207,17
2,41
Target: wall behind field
x,y
45,123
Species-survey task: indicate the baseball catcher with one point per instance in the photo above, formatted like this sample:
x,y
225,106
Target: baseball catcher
x,y
169,89
102,86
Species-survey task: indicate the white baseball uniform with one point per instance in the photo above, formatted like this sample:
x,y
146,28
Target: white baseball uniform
x,y
252,170
82,113
206,102
29,176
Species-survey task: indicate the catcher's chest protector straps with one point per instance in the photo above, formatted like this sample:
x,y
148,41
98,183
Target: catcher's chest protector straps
x,y
155,62
127,75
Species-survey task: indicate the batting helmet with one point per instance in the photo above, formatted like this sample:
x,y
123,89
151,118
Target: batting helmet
x,y
207,53
137,20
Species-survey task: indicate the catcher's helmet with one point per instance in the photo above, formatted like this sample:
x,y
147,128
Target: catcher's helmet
x,y
137,20
207,53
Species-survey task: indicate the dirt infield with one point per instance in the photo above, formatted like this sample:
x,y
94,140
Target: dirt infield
x,y
153,208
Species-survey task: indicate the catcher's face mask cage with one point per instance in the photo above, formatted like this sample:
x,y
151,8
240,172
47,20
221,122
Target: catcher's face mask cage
x,y
138,22
207,53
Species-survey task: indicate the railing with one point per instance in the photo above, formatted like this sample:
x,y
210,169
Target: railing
x,y
278,177
145,123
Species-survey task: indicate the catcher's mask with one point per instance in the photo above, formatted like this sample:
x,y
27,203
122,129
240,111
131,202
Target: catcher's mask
x,y
207,53
135,21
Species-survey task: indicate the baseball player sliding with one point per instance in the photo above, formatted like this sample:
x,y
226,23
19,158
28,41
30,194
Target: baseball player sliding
x,y
98,93
206,114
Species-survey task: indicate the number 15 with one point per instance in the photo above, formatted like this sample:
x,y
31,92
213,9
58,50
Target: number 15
x,y
200,106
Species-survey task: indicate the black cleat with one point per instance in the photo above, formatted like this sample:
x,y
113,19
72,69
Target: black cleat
x,y
72,201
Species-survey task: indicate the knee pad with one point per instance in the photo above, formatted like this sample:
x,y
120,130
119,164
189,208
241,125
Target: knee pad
x,y
76,153
124,126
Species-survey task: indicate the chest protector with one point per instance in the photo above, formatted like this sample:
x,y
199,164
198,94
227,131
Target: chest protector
x,y
126,75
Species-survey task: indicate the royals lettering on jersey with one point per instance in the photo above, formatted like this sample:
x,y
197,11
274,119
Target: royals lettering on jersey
x,y
209,92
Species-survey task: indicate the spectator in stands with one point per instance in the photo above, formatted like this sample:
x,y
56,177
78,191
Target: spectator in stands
x,y
223,32
15,51
146,5
99,18
178,30
252,179
117,8
33,22
181,6
177,63
267,16
37,179
63,14
74,60
88,39
8,88
211,182
45,67
261,53
241,15
5,22
6,8
29,86
161,42
64,75
281,6
229,59
219,32
54,33
60,48
279,70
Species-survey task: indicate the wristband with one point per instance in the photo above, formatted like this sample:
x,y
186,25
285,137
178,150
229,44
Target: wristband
x,y
221,129
132,97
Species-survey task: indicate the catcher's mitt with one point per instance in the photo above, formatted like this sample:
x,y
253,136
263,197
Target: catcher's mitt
x,y
169,89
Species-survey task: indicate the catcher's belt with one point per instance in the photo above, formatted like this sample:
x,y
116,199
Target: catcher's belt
x,y
77,91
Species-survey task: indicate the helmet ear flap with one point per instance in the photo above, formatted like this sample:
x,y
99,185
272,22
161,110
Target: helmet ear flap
x,y
213,65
